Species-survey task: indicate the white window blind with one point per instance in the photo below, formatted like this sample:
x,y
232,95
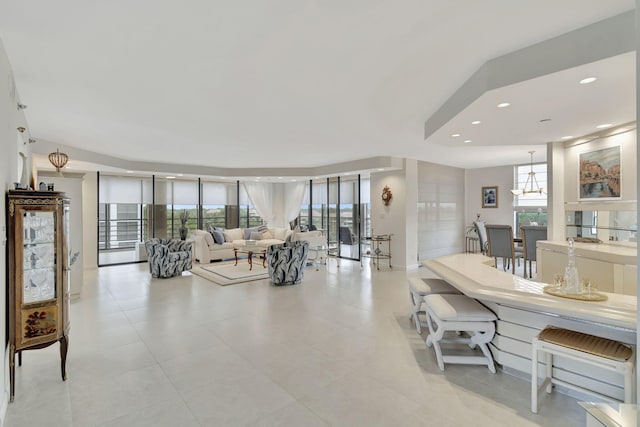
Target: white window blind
x,y
185,192
115,189
214,193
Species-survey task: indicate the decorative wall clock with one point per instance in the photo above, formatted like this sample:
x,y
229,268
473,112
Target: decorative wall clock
x,y
386,195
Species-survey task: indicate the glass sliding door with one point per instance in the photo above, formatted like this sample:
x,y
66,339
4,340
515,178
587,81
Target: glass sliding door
x,y
348,217
332,213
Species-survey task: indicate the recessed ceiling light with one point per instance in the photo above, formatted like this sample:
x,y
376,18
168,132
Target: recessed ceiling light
x,y
588,80
179,174
279,177
171,177
567,137
476,122
455,135
293,180
129,171
348,173
503,104
381,169
604,126
257,177
466,141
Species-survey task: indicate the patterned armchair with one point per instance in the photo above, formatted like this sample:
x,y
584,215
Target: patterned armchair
x,y
168,257
287,262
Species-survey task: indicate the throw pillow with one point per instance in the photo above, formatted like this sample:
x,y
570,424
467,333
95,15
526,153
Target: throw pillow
x,y
233,234
210,228
218,237
208,238
267,235
248,231
279,233
255,235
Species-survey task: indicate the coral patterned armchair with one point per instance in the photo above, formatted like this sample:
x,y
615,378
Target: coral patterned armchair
x,y
287,262
168,257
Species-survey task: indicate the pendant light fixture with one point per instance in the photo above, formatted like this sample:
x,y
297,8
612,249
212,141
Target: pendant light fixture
x,y
528,185
58,160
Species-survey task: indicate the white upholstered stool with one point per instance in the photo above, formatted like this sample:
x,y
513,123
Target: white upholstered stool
x,y
602,352
460,313
420,287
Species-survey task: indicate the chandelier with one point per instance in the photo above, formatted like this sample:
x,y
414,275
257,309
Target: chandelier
x,y
58,160
528,185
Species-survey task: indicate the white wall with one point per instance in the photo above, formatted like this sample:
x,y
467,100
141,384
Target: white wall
x,y
500,176
392,219
89,218
71,184
441,210
10,120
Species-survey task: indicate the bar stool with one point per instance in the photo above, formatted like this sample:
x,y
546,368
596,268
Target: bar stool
x,y
420,287
460,313
602,352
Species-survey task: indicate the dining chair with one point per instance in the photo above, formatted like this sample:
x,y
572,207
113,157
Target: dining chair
x,y
347,238
482,235
530,235
500,239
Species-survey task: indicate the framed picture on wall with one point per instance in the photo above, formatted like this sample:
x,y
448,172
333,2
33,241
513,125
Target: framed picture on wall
x,y
600,174
490,197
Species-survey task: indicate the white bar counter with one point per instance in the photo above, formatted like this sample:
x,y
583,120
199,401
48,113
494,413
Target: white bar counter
x,y
523,309
475,276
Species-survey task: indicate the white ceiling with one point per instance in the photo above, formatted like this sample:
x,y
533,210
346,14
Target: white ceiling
x,y
309,83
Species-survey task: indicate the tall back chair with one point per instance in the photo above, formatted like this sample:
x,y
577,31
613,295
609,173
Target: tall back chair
x,y
346,238
530,235
500,238
482,235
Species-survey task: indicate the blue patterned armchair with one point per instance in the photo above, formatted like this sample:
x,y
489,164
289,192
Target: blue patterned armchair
x,y
168,257
287,262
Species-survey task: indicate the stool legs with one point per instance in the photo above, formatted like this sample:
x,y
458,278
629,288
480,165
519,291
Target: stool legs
x,y
482,334
416,305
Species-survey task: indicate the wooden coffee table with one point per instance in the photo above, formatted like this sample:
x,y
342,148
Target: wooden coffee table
x,y
250,251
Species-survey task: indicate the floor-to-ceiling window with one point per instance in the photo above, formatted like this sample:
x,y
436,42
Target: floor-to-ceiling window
x,y
123,218
348,217
248,215
219,205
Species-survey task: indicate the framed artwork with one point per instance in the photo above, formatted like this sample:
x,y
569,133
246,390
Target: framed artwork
x,y
490,197
600,174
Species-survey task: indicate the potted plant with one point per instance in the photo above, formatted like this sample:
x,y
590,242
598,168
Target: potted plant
x,y
184,217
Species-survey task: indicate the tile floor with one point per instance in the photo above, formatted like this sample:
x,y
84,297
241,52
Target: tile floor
x,y
337,350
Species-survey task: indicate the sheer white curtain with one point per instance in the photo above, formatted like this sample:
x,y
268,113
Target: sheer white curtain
x,y
261,195
293,196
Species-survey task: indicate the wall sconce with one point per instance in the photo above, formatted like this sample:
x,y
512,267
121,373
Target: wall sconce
x,y
58,160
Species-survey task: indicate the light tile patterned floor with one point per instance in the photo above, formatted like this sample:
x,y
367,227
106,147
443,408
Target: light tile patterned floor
x,y
336,350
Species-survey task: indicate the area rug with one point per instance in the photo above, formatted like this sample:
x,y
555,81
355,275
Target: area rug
x,y
229,274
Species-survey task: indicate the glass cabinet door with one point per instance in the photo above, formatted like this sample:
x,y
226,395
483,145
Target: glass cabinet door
x,y
39,256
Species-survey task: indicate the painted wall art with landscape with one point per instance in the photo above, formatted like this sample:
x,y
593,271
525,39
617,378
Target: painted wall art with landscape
x,y
600,174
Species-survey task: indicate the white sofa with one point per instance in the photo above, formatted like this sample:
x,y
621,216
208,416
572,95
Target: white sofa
x,y
206,250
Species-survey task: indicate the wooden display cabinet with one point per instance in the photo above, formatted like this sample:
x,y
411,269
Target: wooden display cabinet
x,y
38,223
